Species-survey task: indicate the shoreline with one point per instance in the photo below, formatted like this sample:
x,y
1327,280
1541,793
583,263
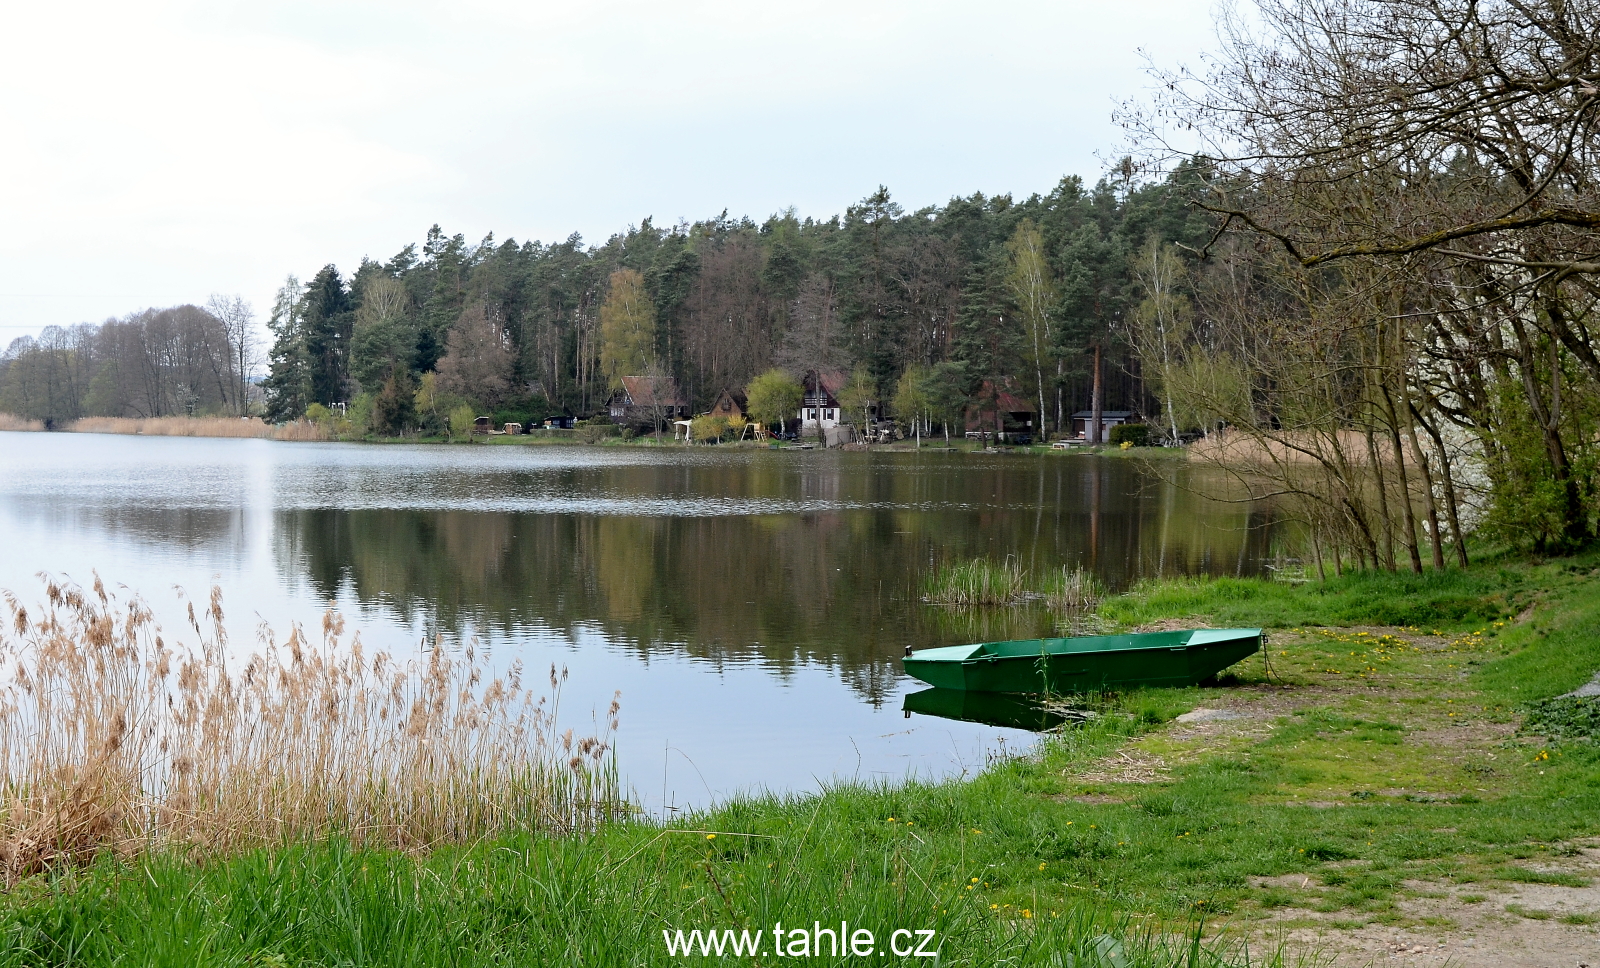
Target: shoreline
x,y
1371,785
307,432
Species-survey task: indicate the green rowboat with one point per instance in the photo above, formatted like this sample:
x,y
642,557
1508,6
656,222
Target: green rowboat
x,y
1085,663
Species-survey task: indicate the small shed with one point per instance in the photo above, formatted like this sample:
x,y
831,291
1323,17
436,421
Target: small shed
x,y
1082,420
483,425
513,428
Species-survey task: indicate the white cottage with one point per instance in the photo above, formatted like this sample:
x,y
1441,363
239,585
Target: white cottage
x,y
820,404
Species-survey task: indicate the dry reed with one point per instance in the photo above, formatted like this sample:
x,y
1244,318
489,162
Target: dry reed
x,y
113,738
173,426
10,421
303,430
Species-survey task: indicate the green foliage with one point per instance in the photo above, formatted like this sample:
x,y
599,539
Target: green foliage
x,y
394,411
1532,505
317,413
1564,717
860,393
596,431
359,414
385,336
327,320
774,397
1137,434
627,328
708,428
462,419
912,395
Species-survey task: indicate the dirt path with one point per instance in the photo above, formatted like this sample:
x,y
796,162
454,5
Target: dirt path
x,y
1456,747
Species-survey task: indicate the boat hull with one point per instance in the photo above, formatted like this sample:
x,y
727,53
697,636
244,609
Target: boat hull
x,y
1085,664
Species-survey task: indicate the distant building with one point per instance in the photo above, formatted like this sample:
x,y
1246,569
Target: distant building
x,y
998,408
1108,419
730,404
819,407
648,401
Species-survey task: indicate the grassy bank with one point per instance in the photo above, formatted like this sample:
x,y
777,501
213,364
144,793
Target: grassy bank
x,y
1373,776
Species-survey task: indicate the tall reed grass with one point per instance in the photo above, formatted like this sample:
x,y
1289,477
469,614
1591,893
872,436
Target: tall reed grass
x,y
114,738
181,427
981,582
173,426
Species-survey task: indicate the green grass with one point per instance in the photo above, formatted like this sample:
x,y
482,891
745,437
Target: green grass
x,y
1448,599
990,865
1389,760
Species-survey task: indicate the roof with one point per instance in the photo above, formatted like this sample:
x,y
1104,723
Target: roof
x,y
996,393
1011,403
1113,414
737,396
644,391
832,382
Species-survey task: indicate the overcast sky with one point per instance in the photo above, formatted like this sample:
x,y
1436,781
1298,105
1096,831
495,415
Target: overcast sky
x,y
152,153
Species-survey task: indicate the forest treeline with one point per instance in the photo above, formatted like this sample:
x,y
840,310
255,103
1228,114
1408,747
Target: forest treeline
x,y
521,329
981,287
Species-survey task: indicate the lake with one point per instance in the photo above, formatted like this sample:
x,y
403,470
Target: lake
x,y
751,606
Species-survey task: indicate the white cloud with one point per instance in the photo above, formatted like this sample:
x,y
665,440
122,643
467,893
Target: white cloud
x,y
159,152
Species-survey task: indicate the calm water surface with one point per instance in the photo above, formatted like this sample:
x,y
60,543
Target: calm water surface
x,y
750,605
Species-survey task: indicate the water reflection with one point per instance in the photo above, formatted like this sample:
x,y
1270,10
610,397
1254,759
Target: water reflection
x,y
820,587
990,708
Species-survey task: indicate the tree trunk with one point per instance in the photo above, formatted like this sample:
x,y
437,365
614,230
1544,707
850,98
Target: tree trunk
x,y
1428,502
1096,405
1452,506
1408,514
1383,505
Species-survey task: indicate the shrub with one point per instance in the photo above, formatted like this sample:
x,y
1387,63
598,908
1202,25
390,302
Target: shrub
x,y
1135,434
461,421
708,428
774,397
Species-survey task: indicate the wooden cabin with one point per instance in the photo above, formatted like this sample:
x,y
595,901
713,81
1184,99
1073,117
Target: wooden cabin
x,y
730,404
999,408
645,401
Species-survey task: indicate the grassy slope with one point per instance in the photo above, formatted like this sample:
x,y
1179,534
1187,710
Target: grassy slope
x,y
1025,861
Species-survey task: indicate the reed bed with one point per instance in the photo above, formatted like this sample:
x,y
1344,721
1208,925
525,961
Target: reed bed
x,y
10,421
114,738
174,426
981,582
303,430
